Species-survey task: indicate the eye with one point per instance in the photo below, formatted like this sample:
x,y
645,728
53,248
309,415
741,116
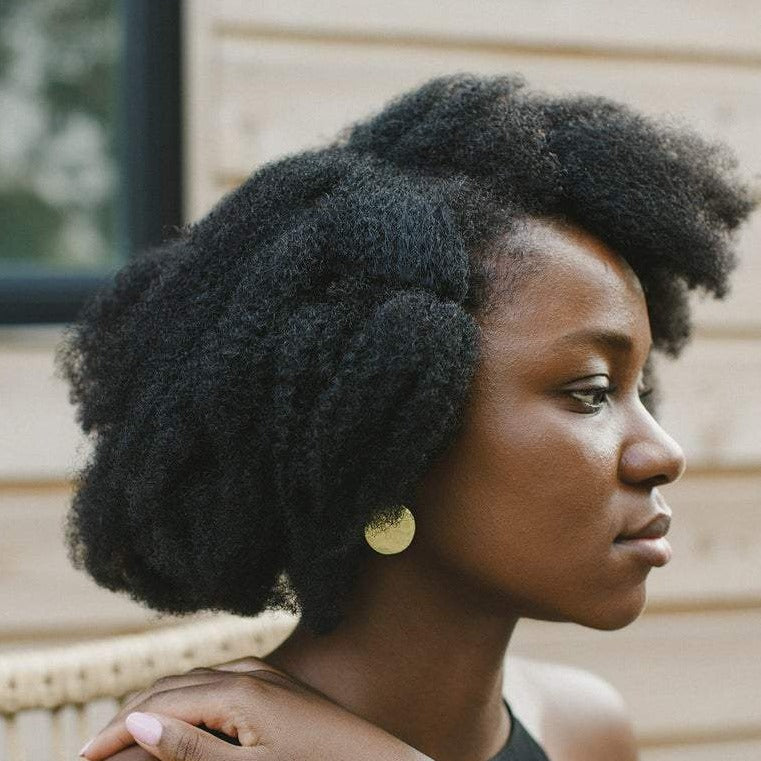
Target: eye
x,y
594,398
591,398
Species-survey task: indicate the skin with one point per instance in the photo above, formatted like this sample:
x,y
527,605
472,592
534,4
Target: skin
x,y
517,519
574,714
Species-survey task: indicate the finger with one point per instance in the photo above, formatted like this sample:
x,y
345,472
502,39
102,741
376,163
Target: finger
x,y
170,681
253,665
133,753
190,678
170,739
215,705
248,663
203,675
197,704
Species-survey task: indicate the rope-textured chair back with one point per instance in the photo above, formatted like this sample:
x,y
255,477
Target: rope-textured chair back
x,y
43,688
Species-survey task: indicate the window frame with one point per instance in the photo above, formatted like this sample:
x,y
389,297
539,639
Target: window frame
x,y
150,206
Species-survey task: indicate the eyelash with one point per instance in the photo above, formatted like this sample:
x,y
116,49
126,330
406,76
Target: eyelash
x,y
604,391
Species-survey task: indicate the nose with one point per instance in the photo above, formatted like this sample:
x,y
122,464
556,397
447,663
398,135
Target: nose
x,y
651,457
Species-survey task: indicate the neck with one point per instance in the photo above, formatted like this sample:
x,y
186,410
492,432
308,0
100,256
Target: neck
x,y
418,654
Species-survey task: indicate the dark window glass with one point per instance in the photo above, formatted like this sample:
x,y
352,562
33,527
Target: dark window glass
x,y
89,146
59,169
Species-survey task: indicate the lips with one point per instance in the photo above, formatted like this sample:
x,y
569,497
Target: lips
x,y
656,527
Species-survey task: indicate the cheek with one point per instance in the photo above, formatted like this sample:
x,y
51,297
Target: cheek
x,y
547,481
519,488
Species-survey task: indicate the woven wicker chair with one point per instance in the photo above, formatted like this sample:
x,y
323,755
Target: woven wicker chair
x,y
52,701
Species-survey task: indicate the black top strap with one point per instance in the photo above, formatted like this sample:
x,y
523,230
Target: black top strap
x,y
520,745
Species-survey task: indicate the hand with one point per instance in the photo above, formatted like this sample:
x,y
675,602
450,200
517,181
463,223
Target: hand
x,y
269,714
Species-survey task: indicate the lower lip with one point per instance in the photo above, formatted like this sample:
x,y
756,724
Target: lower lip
x,y
657,552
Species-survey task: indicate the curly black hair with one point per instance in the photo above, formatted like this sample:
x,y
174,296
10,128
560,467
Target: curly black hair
x,y
285,370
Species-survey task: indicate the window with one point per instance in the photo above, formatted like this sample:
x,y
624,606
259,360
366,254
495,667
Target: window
x,y
90,149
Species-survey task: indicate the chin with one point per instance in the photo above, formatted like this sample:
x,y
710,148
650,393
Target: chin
x,y
611,613
606,613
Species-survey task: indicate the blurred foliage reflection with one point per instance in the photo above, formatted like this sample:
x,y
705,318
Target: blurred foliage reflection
x,y
59,97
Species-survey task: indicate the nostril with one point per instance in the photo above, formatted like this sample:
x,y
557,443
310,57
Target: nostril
x,y
658,481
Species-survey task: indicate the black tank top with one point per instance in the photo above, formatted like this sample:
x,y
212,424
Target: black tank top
x,y
520,745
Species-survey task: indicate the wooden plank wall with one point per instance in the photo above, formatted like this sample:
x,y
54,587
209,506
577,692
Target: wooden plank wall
x,y
269,78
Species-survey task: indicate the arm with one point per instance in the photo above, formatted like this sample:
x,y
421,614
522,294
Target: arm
x,y
180,741
272,716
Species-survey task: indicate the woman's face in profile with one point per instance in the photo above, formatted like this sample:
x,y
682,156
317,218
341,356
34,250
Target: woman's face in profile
x,y
548,469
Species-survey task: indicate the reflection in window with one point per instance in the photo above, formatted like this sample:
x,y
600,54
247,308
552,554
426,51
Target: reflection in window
x,y
59,174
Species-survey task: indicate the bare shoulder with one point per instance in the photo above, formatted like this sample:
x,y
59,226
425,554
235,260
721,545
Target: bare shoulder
x,y
573,713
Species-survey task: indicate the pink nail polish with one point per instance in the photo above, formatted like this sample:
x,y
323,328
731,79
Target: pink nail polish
x,y
143,727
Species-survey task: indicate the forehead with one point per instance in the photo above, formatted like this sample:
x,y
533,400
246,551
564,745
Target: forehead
x,y
574,282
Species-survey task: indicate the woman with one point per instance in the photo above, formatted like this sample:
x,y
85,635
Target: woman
x,y
446,316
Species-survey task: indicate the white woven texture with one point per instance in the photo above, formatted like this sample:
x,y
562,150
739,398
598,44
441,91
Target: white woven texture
x,y
48,697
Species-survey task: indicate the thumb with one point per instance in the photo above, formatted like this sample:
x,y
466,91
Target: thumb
x,y
171,739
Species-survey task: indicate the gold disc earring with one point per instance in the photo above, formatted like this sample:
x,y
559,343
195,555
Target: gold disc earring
x,y
392,538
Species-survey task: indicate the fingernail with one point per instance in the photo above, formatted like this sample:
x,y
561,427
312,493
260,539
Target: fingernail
x,y
85,747
144,728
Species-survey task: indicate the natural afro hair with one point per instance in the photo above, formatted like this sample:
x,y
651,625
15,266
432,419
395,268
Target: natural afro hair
x,y
285,371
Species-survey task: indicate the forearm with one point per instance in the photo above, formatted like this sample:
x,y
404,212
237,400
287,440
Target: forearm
x,y
381,746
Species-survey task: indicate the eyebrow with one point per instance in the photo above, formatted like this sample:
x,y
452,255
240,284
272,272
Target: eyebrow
x,y
610,339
